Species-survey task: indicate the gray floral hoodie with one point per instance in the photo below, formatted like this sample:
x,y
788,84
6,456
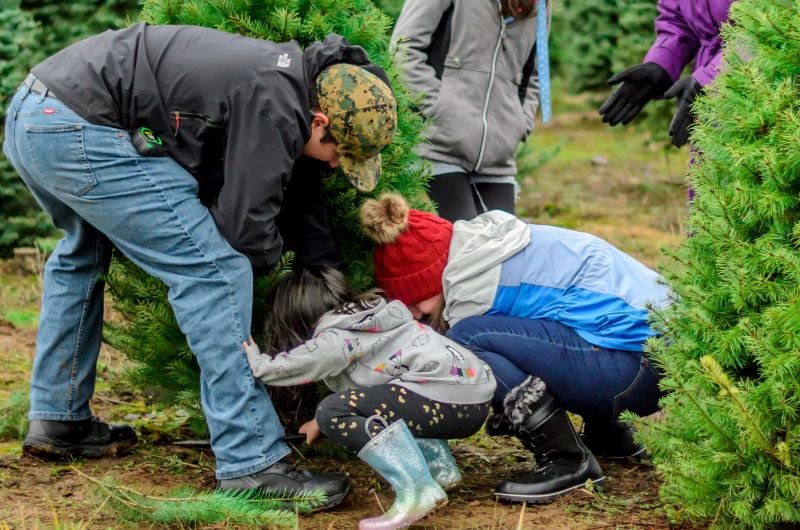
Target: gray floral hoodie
x,y
381,345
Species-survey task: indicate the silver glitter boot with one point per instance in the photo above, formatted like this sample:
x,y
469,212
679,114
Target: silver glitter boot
x,y
394,454
441,463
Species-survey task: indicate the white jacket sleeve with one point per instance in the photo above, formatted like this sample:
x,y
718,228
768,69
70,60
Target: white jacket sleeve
x,y
412,35
325,355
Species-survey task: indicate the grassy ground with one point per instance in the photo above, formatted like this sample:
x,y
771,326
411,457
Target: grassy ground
x,y
610,183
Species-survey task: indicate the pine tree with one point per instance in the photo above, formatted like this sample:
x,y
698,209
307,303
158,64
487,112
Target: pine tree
x,y
23,43
584,35
595,39
728,446
21,220
149,333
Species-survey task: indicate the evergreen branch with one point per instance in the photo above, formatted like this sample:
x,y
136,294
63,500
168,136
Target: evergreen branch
x,y
189,507
718,376
732,446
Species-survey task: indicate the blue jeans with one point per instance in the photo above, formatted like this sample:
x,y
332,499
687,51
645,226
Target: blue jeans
x,y
597,383
100,191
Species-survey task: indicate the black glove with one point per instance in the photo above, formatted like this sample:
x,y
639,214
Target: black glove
x,y
642,83
685,89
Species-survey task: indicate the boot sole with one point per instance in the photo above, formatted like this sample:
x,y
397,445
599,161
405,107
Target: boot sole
x,y
48,450
544,498
405,523
640,457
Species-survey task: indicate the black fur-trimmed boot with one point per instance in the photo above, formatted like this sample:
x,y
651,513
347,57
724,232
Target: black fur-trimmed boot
x,y
613,440
563,463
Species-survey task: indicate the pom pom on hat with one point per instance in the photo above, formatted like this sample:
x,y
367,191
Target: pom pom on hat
x,y
383,219
412,248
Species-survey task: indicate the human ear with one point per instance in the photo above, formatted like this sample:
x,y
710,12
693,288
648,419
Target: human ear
x,y
319,119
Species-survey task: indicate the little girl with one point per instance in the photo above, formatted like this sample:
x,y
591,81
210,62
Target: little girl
x,y
394,380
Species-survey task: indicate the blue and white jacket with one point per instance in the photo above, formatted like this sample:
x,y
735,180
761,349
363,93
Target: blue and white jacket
x,y
499,265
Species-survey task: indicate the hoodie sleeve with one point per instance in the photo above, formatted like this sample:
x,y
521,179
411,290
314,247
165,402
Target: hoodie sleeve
x,y
676,44
412,36
266,130
326,355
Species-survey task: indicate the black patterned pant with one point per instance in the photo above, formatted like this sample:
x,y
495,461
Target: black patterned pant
x,y
344,416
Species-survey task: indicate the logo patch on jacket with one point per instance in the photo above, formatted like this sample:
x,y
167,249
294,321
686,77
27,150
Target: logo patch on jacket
x,y
284,61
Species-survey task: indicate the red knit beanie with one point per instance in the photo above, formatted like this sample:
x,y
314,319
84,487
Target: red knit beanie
x,y
411,248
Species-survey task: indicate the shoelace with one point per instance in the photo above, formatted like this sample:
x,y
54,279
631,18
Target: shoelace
x,y
291,469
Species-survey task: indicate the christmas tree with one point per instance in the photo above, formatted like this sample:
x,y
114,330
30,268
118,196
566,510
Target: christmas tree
x,y
594,39
728,445
21,220
149,333
584,35
24,42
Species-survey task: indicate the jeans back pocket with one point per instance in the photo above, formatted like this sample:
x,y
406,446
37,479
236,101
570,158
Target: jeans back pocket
x,y
59,155
642,395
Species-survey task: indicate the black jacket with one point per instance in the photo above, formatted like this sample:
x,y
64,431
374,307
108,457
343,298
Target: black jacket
x,y
234,111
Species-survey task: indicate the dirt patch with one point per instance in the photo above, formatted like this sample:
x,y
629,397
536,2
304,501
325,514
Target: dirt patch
x,y
33,494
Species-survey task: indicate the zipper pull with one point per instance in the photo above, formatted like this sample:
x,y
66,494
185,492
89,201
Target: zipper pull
x,y
177,122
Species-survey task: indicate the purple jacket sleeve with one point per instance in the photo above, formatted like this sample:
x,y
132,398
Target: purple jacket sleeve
x,y
706,73
676,43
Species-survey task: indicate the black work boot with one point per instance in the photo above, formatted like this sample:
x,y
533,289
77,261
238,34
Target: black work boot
x,y
284,478
563,463
92,438
613,440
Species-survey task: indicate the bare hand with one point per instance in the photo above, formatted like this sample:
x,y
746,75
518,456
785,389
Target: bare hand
x,y
311,430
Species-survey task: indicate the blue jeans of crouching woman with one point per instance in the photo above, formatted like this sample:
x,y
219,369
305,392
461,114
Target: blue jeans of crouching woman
x,y
597,383
100,191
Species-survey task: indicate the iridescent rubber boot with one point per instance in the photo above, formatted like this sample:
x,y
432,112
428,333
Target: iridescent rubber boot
x,y
441,463
394,454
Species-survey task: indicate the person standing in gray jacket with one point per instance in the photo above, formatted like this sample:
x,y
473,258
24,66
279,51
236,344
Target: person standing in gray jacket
x,y
400,390
472,64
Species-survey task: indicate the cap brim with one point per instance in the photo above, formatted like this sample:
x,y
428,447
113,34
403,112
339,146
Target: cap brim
x,y
363,173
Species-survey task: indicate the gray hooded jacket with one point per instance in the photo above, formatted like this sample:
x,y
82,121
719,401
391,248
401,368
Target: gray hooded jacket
x,y
378,346
478,109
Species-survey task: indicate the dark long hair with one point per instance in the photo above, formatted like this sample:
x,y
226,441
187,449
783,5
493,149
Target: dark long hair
x,y
298,301
519,9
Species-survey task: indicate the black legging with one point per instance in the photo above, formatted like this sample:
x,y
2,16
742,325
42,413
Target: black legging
x,y
456,199
343,416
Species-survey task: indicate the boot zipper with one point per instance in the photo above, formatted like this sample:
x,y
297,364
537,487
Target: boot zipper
x,y
485,120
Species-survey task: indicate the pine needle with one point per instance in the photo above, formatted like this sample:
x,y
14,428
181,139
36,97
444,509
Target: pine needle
x,y
190,507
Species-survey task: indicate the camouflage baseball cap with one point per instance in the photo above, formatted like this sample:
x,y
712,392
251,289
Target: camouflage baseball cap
x,y
363,116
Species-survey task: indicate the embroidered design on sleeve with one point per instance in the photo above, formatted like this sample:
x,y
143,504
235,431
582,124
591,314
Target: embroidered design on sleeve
x,y
458,367
377,346
395,364
394,312
421,340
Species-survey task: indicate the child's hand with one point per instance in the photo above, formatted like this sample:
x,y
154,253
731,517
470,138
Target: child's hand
x,y
311,430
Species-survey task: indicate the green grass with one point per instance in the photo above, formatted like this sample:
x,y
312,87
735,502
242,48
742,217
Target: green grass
x,y
22,318
614,183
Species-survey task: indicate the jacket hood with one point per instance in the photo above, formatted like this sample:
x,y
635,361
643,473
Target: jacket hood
x,y
478,249
381,316
336,49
